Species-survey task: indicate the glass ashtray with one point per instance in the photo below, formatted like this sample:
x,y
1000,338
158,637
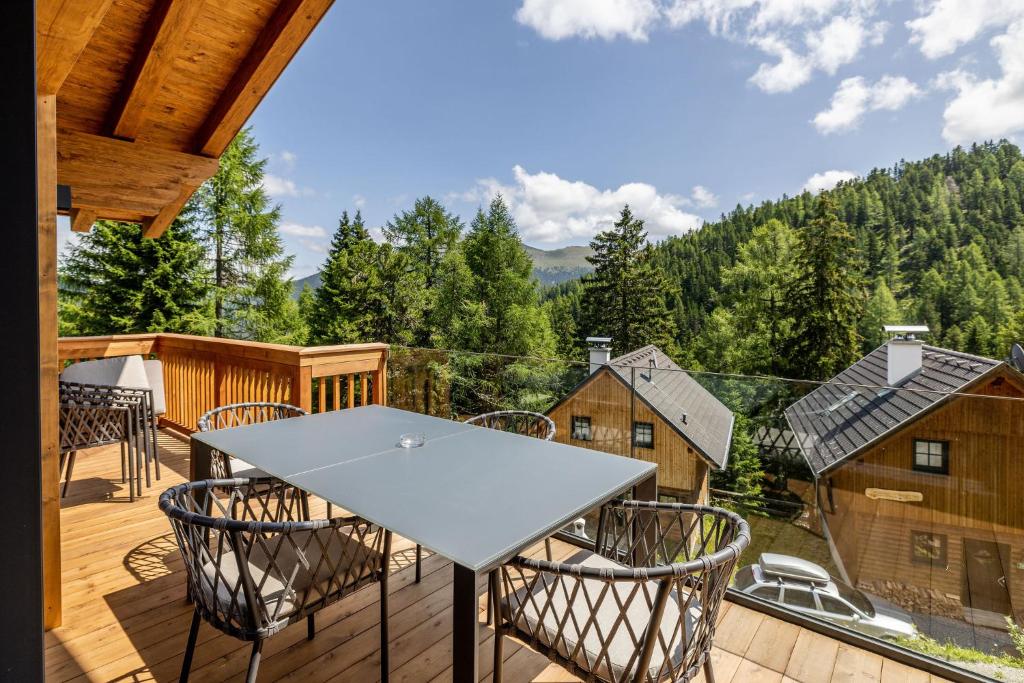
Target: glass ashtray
x,y
412,440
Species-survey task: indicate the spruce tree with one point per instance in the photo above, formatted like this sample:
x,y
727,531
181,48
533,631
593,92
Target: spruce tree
x,y
238,225
826,299
116,281
881,309
624,298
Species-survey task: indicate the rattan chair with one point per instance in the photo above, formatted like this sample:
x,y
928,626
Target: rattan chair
x,y
92,416
640,608
237,415
253,567
518,422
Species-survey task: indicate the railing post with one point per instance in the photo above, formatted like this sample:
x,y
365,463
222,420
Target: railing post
x,y
380,381
302,388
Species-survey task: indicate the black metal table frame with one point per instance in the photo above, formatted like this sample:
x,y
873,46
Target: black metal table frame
x,y
466,589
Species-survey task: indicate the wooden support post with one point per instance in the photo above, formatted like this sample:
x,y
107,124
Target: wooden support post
x,y
46,145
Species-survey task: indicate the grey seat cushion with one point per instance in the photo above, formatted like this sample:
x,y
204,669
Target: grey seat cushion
x,y
284,587
240,469
623,648
124,371
155,375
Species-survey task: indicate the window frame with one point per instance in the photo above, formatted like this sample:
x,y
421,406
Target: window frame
x,y
930,469
572,428
636,441
941,542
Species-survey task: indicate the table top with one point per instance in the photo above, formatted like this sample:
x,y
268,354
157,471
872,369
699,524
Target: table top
x,y
472,494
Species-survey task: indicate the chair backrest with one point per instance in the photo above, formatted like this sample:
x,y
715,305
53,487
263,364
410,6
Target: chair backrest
x,y
155,375
239,414
254,566
663,553
122,371
517,421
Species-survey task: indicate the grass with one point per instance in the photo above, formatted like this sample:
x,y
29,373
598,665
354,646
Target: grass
x,y
957,653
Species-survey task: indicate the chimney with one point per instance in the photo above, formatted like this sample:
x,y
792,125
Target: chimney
x,y
600,352
904,352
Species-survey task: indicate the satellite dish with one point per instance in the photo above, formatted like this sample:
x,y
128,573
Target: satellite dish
x,y
1017,357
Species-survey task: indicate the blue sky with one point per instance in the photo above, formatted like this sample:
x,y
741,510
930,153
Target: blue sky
x,y
569,108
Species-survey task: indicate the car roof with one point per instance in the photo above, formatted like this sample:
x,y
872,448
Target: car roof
x,y
787,566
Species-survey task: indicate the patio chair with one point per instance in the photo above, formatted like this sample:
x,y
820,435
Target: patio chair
x,y
641,607
253,567
91,417
238,415
130,378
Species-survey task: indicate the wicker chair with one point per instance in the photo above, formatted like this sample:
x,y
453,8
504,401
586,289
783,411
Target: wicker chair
x,y
641,607
91,416
237,415
254,568
517,421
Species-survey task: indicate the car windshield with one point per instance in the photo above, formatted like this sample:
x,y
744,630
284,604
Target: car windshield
x,y
855,598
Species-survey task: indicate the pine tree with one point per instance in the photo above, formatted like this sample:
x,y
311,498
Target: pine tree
x,y
881,309
826,300
625,296
116,281
238,225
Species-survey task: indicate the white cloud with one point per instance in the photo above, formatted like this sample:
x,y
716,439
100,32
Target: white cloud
x,y
826,180
314,246
608,19
550,209
840,41
288,158
297,230
854,97
703,197
787,74
988,108
359,200
945,25
278,186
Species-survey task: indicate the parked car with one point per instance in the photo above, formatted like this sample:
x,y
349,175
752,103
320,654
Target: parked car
x,y
807,588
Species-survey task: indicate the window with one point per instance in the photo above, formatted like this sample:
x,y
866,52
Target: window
x,y
834,606
931,456
794,597
581,428
767,593
928,548
643,434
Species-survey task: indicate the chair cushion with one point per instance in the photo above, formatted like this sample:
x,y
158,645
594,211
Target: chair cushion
x,y
155,376
240,469
623,647
124,371
356,561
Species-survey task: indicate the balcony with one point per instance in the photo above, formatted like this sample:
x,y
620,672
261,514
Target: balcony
x,y
124,612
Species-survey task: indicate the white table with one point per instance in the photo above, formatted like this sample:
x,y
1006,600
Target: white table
x,y
477,496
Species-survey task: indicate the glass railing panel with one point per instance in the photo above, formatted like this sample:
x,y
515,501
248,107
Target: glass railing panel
x,y
893,513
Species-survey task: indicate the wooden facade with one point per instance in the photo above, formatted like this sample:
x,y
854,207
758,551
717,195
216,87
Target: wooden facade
x,y
959,552
612,408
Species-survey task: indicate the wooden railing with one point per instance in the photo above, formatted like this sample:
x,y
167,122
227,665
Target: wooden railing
x,y
201,373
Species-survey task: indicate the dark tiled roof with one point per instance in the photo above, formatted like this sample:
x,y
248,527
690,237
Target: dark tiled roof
x,y
673,393
851,410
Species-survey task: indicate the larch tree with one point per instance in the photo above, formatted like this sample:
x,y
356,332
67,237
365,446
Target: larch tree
x,y
826,299
625,297
249,269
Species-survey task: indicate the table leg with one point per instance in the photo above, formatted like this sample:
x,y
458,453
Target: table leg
x,y
465,623
644,552
199,460
647,489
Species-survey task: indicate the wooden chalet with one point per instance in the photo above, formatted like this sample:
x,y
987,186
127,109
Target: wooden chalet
x,y
918,478
643,405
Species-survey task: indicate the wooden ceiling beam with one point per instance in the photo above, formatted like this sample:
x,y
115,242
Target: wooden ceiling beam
x,y
63,29
82,219
158,224
126,180
277,43
164,35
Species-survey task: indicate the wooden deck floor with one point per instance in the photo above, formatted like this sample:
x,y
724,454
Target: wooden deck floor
x,y
126,619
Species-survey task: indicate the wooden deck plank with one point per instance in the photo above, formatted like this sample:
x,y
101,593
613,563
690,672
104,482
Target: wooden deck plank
x,y
126,618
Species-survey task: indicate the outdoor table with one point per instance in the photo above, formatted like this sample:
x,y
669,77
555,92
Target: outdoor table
x,y
477,496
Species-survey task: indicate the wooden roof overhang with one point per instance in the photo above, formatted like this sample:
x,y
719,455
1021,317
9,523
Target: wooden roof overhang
x,y
149,93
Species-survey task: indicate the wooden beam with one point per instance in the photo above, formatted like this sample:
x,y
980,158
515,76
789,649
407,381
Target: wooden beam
x,y
158,224
164,35
63,29
126,180
46,152
82,220
277,43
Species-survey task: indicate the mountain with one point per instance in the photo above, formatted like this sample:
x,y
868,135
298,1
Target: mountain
x,y
549,267
559,265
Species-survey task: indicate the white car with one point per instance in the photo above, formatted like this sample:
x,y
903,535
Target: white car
x,y
807,588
